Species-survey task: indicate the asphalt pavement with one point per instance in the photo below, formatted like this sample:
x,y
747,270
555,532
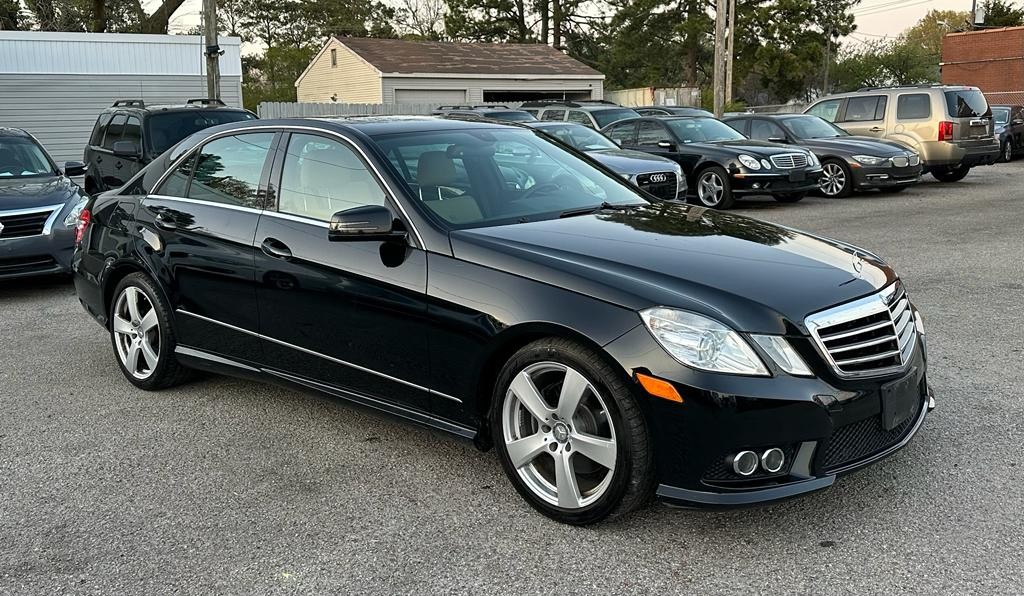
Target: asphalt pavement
x,y
229,486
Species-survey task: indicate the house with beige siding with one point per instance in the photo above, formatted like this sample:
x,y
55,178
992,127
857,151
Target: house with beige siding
x,y
373,70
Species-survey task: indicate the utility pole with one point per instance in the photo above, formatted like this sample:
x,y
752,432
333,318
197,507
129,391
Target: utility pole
x,y
213,51
729,52
718,80
828,57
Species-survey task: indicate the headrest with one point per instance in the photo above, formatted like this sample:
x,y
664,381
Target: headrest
x,y
435,168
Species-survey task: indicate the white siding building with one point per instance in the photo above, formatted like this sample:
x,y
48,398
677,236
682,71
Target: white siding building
x,y
389,71
54,85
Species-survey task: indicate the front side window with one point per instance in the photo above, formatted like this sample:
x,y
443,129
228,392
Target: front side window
x,y
623,133
865,109
21,157
322,176
476,178
132,131
764,130
583,138
812,127
579,117
703,130
114,131
553,115
651,133
826,110
228,169
914,106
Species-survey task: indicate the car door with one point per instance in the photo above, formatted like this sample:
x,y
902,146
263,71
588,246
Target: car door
x,y
865,115
105,159
351,314
198,226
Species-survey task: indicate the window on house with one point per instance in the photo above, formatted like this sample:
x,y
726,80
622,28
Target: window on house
x,y
334,57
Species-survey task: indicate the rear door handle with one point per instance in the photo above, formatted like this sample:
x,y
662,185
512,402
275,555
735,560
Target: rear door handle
x,y
118,165
272,247
165,221
99,159
876,129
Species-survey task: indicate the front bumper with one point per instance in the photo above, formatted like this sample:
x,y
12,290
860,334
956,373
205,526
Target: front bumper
x,y
42,254
825,425
869,177
770,183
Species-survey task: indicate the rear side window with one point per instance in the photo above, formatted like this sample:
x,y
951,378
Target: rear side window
x,y
579,117
914,106
865,109
101,127
132,130
966,103
114,130
624,133
228,169
826,110
763,130
553,115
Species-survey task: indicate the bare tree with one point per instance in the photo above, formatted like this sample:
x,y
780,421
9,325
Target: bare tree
x,y
423,18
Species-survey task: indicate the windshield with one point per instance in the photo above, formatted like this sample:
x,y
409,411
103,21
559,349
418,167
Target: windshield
x,y
165,130
22,157
511,115
812,127
606,117
1002,115
703,130
966,103
484,177
580,137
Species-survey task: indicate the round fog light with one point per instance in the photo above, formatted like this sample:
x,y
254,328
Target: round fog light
x,y
772,460
744,463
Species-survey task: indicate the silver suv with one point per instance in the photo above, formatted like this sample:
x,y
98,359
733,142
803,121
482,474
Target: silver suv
x,y
950,126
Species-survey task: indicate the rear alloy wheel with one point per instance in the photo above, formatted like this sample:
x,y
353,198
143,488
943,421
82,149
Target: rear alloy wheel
x,y
142,336
950,173
713,189
836,181
570,435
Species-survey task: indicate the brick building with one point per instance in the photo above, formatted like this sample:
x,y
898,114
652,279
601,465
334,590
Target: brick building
x,y
992,60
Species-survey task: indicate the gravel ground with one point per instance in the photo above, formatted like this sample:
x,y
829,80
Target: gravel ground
x,y
230,486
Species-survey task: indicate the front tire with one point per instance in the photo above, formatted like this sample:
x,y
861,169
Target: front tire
x,y
836,179
950,173
1006,151
713,188
570,435
142,334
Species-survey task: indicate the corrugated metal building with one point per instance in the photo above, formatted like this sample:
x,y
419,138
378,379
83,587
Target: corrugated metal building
x,y
55,84
389,71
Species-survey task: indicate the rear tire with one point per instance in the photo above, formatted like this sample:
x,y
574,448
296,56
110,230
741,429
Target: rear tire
x,y
713,189
1006,151
789,197
951,173
570,435
142,335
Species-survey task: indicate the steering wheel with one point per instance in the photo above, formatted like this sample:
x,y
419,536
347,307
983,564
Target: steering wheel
x,y
541,189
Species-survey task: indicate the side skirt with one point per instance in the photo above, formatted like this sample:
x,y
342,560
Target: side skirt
x,y
206,361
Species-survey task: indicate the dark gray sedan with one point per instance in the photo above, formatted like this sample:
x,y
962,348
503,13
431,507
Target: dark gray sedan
x,y
659,176
849,163
39,208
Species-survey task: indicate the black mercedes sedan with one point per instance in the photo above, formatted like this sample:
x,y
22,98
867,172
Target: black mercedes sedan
x,y
39,208
609,348
659,176
721,164
1009,129
849,163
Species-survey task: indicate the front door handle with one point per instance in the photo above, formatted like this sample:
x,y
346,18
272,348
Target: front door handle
x,y
118,165
99,159
272,247
165,221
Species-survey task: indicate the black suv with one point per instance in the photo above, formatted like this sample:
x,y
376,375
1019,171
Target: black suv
x,y
129,134
595,113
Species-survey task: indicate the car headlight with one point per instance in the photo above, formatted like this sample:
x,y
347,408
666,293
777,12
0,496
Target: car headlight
x,y
870,160
680,181
72,219
812,159
767,164
702,343
918,321
782,353
749,162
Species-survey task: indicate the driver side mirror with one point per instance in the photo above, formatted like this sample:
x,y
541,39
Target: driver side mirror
x,y
74,168
128,149
370,222
780,140
1018,121
667,145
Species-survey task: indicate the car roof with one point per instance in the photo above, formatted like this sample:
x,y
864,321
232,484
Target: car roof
x,y
13,132
172,108
770,116
375,125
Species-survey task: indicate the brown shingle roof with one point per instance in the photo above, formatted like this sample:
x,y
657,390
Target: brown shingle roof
x,y
401,56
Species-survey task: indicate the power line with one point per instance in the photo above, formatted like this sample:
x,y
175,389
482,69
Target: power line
x,y
900,6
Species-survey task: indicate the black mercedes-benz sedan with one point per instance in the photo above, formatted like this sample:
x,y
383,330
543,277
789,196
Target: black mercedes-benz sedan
x,y
657,175
721,164
481,279
39,208
848,163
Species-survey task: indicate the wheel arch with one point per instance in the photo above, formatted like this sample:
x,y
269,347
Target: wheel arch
x,y
117,271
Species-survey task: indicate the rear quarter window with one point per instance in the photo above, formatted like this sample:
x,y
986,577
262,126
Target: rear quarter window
x,y
966,103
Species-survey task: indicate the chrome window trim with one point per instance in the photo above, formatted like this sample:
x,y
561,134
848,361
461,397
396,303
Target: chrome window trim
x,y
207,203
298,218
47,225
381,179
315,353
869,305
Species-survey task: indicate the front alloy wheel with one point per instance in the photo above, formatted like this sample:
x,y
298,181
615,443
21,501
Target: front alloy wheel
x,y
713,189
1007,154
835,181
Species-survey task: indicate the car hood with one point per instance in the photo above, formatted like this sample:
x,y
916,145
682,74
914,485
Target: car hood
x,y
626,161
752,147
25,193
858,146
753,275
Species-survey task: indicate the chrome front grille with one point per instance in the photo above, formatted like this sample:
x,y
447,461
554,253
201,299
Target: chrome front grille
x,y
870,336
19,223
788,161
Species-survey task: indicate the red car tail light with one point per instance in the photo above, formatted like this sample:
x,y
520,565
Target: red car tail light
x,y
83,222
945,131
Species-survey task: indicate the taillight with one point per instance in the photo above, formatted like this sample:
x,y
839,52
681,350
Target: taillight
x,y
83,222
945,131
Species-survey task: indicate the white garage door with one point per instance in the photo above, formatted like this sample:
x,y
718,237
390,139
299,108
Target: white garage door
x,y
450,96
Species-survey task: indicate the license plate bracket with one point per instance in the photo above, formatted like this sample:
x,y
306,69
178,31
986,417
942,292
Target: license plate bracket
x,y
797,176
898,400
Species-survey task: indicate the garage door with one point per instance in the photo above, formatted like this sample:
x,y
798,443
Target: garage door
x,y
451,96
